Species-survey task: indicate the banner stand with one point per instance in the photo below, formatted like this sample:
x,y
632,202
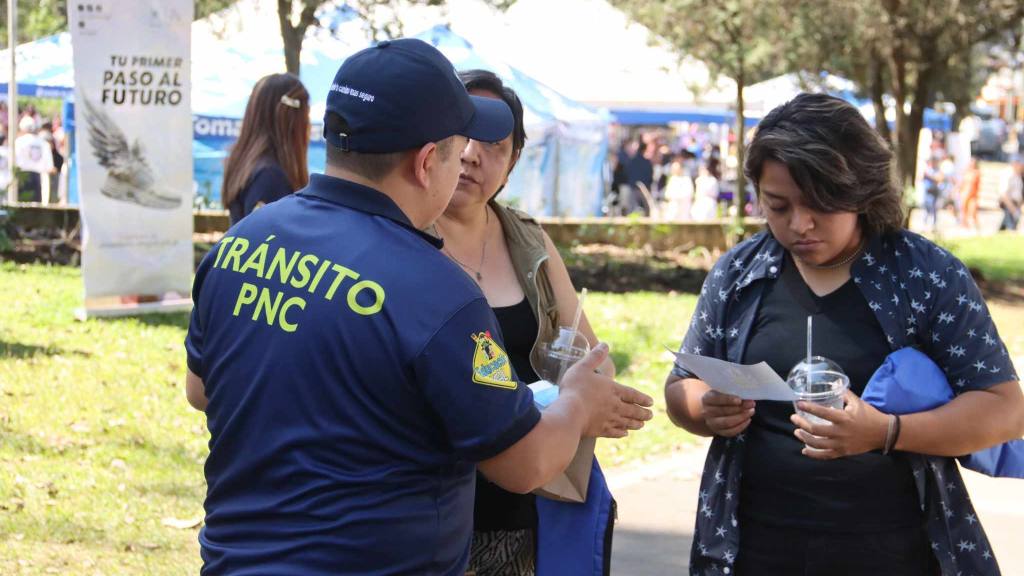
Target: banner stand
x,y
124,306
133,135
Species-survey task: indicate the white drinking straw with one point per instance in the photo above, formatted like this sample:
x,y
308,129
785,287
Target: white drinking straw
x,y
809,329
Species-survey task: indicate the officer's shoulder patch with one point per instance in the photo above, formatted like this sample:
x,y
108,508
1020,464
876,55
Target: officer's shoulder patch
x,y
490,363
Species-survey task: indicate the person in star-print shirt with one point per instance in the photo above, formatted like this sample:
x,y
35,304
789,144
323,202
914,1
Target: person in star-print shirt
x,y
859,495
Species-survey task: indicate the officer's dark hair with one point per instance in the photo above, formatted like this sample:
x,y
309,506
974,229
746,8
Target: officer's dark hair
x,y
490,82
368,165
836,158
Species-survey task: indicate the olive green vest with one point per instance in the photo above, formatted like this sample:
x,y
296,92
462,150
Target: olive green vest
x,y
525,240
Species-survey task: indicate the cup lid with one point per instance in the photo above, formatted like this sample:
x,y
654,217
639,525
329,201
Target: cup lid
x,y
817,364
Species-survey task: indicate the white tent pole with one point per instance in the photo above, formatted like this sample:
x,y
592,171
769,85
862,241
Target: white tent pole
x,y
12,98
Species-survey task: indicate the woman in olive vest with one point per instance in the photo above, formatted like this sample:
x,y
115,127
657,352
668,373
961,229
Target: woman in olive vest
x,y
527,285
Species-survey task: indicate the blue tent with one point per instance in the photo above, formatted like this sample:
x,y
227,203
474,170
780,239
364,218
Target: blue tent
x,y
662,116
44,68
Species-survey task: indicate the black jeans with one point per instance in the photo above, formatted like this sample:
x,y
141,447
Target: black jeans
x,y
777,551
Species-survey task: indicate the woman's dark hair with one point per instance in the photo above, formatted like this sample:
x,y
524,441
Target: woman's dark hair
x,y
275,128
838,161
489,82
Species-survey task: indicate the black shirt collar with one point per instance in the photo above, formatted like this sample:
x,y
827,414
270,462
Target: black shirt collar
x,y
363,199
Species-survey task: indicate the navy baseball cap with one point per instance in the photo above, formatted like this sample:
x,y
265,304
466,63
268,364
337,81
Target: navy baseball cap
x,y
401,94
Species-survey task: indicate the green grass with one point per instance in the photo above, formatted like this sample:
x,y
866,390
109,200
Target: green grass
x,y
98,446
638,326
999,257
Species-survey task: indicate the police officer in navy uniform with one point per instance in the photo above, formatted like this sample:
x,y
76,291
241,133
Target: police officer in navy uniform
x,y
352,376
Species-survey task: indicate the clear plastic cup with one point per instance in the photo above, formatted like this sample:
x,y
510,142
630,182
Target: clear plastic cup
x,y
558,356
824,388
820,381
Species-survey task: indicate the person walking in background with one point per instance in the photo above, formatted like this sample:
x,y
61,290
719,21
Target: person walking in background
x,y
970,189
662,170
705,195
52,183
5,172
932,181
948,186
678,192
1012,197
33,157
269,160
639,172
616,202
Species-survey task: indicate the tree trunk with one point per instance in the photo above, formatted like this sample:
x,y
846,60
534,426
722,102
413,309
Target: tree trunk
x,y
915,121
906,148
292,51
292,35
896,59
877,89
740,195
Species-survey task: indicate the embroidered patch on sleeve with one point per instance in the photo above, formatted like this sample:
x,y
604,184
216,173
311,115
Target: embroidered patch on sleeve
x,y
490,363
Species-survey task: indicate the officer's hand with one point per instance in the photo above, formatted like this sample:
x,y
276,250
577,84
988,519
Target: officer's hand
x,y
612,410
725,414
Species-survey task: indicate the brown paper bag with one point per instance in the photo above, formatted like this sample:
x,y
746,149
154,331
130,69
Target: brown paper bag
x,y
571,485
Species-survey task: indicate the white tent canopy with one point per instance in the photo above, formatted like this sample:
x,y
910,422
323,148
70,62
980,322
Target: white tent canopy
x,y
587,50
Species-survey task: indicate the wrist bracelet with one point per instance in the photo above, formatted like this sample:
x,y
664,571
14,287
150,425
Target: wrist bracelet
x,y
896,436
890,435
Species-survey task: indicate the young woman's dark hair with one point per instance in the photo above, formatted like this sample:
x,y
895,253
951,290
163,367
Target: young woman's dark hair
x,y
836,158
489,81
275,129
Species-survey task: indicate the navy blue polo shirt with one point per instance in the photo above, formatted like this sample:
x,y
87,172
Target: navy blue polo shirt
x,y
354,375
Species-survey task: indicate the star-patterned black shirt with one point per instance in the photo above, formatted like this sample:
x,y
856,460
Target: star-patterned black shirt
x,y
923,297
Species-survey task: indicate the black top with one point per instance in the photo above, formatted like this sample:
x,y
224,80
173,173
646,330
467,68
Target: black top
x,y
495,508
780,485
267,184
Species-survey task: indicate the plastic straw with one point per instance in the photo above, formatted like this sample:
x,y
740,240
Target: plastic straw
x,y
810,326
579,314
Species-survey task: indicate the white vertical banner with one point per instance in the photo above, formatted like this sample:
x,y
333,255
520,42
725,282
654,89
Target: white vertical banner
x,y
134,142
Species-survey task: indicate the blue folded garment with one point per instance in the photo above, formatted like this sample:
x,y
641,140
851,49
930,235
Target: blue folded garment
x,y
909,381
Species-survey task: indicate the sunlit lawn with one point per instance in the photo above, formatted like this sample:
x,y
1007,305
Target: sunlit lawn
x,y
97,446
999,256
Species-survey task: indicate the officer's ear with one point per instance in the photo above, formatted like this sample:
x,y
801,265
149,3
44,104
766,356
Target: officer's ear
x,y
424,163
430,157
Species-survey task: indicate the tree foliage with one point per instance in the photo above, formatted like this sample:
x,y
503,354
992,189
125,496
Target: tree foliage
x,y
382,19
39,18
912,52
917,52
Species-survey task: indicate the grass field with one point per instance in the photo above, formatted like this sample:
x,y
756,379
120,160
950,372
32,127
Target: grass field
x,y
101,457
999,257
97,445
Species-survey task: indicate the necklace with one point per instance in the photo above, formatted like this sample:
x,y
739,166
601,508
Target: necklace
x,y
841,263
483,253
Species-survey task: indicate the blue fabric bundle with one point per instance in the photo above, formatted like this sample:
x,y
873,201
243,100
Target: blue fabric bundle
x,y
909,381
